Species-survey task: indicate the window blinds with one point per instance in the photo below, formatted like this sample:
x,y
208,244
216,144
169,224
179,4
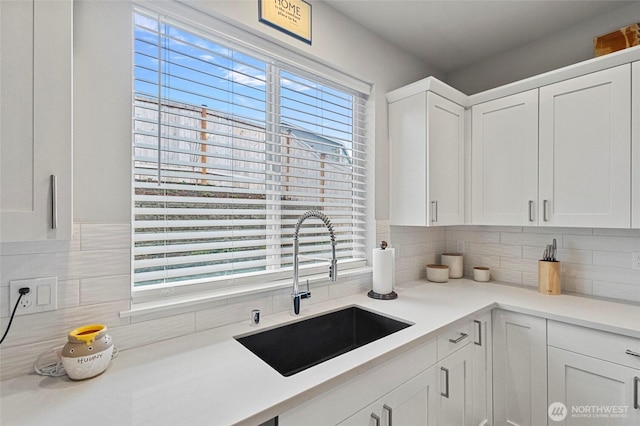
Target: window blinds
x,y
229,149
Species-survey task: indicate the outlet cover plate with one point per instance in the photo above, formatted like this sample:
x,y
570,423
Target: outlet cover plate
x,y
42,297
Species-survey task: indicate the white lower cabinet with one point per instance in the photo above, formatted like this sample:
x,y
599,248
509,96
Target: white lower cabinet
x,y
499,368
433,384
406,384
519,369
441,395
596,375
455,391
594,392
413,403
482,389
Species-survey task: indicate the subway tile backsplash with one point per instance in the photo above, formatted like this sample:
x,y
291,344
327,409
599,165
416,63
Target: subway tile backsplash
x,y
93,273
94,286
595,262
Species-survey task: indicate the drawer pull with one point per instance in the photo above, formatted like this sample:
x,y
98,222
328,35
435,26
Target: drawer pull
x,y
632,353
479,323
388,409
636,405
462,337
376,419
446,382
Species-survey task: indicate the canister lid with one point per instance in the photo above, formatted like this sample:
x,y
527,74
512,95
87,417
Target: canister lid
x,y
87,333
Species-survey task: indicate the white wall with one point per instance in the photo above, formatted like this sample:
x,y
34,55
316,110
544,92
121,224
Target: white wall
x,y
572,45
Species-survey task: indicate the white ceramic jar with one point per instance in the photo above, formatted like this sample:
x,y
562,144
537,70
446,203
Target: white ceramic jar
x,y
455,263
438,273
481,273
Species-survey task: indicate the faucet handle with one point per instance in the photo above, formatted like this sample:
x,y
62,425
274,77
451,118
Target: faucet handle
x,y
306,294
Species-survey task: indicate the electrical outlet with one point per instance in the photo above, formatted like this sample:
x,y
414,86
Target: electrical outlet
x,y
42,295
460,247
635,260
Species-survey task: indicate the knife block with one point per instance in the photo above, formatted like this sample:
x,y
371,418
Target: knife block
x,y
549,277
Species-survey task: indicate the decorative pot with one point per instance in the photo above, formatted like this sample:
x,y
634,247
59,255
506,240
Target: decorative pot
x,y
88,351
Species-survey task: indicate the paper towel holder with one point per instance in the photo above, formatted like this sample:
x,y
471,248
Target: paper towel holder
x,y
389,296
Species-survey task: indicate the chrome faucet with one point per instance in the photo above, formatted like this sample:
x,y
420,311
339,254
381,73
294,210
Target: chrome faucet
x,y
297,295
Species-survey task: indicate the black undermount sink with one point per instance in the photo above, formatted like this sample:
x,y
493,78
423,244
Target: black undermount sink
x,y
294,347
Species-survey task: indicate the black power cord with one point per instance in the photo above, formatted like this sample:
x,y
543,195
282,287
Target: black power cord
x,y
22,291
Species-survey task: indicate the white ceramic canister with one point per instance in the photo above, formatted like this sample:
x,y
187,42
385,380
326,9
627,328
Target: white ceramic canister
x,y
438,273
481,273
455,263
87,352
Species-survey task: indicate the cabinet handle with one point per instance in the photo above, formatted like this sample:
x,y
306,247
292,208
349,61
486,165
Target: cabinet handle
x,y
479,324
446,382
636,380
632,353
389,411
545,204
530,210
462,337
54,201
434,211
376,418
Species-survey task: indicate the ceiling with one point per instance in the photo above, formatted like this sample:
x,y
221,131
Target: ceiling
x,y
452,34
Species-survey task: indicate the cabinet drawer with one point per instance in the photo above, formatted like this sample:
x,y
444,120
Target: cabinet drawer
x,y
595,343
454,339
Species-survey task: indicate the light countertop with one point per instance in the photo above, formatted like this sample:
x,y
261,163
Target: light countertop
x,y
209,378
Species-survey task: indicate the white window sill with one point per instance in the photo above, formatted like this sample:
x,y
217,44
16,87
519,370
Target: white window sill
x,y
194,299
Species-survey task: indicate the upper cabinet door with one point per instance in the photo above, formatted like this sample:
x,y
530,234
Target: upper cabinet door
x,y
426,138
445,140
585,146
36,122
504,161
635,142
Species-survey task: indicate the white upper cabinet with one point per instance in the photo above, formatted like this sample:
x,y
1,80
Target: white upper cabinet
x,y
635,142
426,138
585,145
36,120
504,161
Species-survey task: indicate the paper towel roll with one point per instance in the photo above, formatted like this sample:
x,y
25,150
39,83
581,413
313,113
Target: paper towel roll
x,y
383,270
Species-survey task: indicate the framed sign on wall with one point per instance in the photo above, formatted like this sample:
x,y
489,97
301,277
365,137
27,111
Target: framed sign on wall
x,y
292,17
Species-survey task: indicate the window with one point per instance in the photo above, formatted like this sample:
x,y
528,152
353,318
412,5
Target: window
x,y
230,147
